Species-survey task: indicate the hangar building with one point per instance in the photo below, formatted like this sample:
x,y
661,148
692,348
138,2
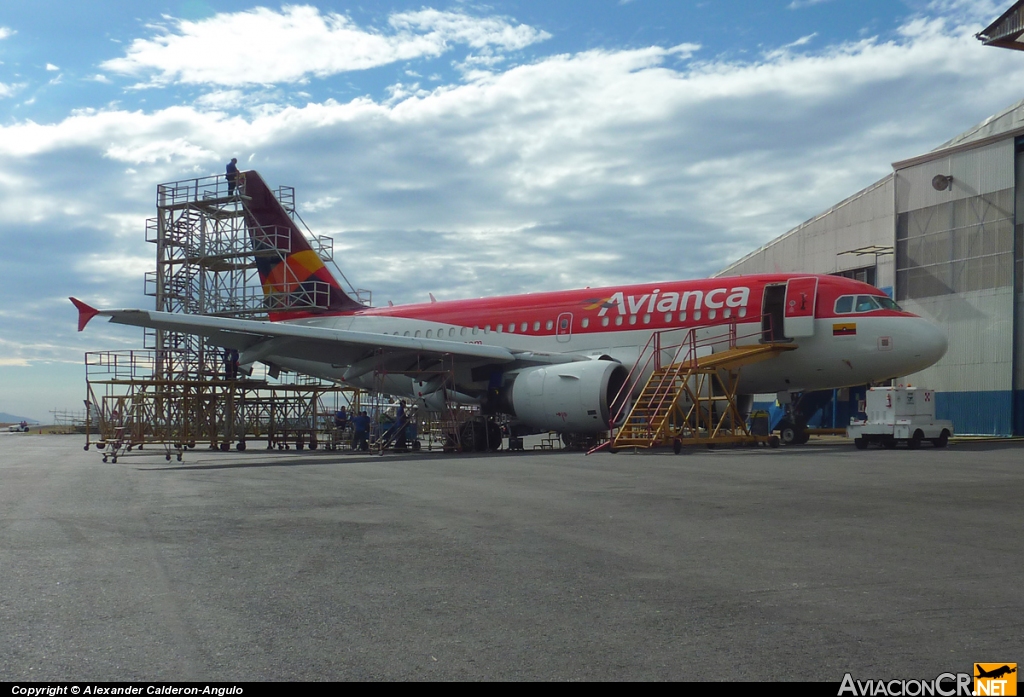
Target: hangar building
x,y
943,234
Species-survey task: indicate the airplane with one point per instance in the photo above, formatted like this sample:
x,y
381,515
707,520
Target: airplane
x,y
552,361
995,673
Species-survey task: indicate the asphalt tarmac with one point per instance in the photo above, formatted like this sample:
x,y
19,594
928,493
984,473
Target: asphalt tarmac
x,y
737,564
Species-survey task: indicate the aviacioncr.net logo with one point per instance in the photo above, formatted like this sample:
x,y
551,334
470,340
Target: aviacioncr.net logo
x,y
945,685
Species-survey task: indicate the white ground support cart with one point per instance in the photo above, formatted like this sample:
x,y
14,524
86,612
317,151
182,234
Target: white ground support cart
x,y
900,414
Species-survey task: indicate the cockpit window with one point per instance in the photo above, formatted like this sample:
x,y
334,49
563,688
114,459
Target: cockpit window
x,y
865,303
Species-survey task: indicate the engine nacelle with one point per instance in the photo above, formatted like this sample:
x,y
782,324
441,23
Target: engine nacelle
x,y
575,397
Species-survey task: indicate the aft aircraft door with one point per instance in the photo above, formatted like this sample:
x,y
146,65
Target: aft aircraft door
x,y
563,327
801,295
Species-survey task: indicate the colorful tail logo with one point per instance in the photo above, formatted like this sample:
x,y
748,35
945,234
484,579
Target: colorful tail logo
x,y
299,285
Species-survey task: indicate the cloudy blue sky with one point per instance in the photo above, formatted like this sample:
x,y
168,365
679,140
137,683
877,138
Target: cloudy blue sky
x,y
455,147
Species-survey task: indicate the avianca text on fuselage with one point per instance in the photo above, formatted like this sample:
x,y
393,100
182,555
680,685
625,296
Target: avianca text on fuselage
x,y
735,297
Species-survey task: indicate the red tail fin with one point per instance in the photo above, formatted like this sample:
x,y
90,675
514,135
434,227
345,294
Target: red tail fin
x,y
295,281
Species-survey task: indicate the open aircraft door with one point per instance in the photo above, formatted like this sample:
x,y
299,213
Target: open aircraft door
x,y
801,296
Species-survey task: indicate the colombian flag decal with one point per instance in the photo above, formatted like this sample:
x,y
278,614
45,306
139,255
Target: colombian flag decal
x,y
844,329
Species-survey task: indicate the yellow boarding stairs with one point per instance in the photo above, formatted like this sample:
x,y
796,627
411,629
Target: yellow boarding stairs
x,y
693,401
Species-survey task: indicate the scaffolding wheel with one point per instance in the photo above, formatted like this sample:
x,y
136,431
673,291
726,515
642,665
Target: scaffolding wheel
x,y
179,457
86,447
225,446
240,446
167,457
677,446
114,459
104,458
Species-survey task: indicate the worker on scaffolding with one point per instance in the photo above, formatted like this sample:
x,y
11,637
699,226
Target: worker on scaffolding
x,y
340,424
230,364
361,432
231,174
396,433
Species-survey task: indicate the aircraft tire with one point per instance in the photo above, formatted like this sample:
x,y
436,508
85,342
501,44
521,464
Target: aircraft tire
x,y
789,434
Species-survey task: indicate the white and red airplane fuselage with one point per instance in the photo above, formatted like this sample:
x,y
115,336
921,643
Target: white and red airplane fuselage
x,y
845,332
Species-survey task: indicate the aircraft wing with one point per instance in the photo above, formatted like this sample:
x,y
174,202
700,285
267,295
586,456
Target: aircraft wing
x,y
256,340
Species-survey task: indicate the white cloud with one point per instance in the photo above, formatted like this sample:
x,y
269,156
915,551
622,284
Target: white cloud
x,y
6,32
261,46
799,4
51,67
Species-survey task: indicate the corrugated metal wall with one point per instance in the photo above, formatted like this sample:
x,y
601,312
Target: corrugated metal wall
x,y
817,246
954,266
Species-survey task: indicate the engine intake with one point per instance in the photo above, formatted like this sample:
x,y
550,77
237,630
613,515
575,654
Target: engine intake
x,y
575,397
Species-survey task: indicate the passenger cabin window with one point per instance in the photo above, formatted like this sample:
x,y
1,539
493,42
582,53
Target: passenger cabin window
x,y
550,325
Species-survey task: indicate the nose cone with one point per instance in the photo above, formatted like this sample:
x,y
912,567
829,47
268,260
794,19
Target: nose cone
x,y
927,344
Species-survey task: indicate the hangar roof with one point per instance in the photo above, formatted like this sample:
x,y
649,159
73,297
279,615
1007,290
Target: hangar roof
x,y
1007,31
1008,122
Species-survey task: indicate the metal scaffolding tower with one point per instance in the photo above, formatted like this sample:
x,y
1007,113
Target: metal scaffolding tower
x,y
182,390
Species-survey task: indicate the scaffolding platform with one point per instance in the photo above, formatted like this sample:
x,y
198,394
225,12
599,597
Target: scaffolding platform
x,y
180,391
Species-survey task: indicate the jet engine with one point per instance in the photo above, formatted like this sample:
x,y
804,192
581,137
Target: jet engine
x,y
575,397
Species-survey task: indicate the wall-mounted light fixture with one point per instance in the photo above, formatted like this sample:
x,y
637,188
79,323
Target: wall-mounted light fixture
x,y
941,182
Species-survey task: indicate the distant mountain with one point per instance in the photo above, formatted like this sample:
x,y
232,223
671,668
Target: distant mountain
x,y
6,418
